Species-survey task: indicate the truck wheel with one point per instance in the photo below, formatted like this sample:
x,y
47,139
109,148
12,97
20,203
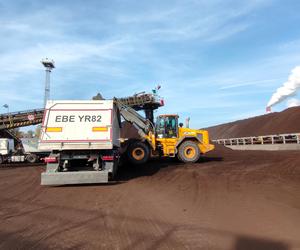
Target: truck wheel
x,y
188,152
138,153
31,158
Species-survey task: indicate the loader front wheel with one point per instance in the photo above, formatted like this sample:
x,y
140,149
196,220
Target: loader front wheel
x,y
188,152
138,153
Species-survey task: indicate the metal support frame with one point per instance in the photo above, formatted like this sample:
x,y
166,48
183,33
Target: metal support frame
x,y
292,138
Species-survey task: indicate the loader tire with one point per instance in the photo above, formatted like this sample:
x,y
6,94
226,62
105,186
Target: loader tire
x,y
188,152
31,158
138,153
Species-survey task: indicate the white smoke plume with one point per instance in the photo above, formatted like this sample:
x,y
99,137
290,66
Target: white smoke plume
x,y
289,88
293,102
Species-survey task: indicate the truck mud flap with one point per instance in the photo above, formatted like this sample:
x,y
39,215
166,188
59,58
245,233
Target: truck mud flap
x,y
80,177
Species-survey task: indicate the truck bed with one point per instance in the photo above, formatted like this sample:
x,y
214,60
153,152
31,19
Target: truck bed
x,y
80,125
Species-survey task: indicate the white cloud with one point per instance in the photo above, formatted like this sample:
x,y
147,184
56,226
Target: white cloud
x,y
209,21
249,83
148,16
14,64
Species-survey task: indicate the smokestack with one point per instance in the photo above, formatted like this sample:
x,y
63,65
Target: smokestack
x,y
268,109
288,88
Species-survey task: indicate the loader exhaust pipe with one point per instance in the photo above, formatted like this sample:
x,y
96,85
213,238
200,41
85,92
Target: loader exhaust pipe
x,y
187,122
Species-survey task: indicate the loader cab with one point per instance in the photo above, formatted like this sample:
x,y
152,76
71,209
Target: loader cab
x,y
167,126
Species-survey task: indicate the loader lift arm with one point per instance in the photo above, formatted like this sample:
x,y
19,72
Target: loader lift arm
x,y
144,126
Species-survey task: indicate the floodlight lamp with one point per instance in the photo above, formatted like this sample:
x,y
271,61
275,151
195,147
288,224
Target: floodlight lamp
x,y
48,63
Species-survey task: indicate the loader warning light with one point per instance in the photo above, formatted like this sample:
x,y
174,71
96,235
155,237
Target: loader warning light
x,y
54,129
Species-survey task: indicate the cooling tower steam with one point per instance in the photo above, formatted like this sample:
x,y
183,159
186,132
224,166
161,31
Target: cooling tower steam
x,y
289,88
293,102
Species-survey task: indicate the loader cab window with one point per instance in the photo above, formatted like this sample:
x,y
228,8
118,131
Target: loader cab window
x,y
160,127
166,127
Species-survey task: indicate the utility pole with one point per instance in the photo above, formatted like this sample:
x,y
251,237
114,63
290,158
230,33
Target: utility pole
x,y
49,65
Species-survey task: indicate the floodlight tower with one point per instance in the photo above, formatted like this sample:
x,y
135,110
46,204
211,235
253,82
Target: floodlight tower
x,y
49,65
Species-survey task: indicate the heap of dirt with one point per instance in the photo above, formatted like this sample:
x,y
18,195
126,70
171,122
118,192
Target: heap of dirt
x,y
129,131
286,121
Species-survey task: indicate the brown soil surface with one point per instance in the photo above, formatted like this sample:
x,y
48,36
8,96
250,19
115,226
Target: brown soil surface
x,y
229,200
287,121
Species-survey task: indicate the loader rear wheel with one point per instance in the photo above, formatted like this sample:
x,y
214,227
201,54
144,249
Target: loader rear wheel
x,y
138,153
188,152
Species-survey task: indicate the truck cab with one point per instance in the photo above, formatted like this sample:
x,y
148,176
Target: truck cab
x,y
6,148
25,151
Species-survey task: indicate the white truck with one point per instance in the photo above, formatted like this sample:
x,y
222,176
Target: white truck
x,y
7,147
28,151
84,140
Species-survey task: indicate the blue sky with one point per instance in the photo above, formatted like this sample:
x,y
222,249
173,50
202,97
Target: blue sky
x,y
217,61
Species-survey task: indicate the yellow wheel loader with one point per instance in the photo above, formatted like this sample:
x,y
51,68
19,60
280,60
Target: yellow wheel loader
x,y
166,138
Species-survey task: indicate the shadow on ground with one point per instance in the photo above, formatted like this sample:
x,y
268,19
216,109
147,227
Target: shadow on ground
x,y
8,166
249,243
127,171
